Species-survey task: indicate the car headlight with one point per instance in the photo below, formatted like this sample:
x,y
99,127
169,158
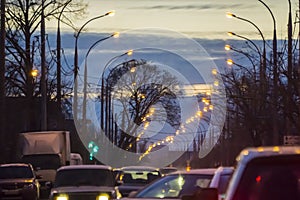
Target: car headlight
x,y
103,196
61,197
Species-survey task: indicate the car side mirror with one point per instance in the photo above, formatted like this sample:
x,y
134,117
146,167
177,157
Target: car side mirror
x,y
203,193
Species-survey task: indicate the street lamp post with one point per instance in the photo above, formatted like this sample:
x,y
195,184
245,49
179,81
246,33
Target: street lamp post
x,y
85,75
76,35
275,78
43,73
289,67
2,82
102,87
264,64
247,39
228,47
58,54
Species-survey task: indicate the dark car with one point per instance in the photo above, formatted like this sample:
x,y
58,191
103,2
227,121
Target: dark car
x,y
133,178
84,182
176,185
18,181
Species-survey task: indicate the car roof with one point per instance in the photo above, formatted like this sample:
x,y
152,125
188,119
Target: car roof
x,y
142,168
206,171
168,168
225,169
15,164
250,153
69,167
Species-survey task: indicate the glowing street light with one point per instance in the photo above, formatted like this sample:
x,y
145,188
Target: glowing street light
x,y
34,73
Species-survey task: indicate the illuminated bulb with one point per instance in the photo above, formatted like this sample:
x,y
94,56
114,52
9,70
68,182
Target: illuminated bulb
x,y
116,35
230,33
229,62
130,52
34,72
227,47
230,15
214,71
216,83
132,69
111,13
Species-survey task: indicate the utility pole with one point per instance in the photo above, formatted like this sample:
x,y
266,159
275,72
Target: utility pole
x,y
43,74
289,69
58,67
2,81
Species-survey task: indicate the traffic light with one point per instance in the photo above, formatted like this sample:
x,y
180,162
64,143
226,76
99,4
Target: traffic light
x,y
93,149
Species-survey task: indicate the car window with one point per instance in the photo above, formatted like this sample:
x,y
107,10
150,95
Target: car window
x,y
174,186
138,177
11,172
80,177
223,183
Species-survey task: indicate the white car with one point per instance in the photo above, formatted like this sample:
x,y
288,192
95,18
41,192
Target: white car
x,y
263,173
84,182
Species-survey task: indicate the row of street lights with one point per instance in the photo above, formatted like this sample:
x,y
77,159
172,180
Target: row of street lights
x,y
114,35
76,35
275,67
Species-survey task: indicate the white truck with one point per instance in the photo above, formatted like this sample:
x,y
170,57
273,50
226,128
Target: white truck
x,y
46,151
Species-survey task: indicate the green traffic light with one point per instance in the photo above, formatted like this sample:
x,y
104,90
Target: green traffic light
x,y
93,149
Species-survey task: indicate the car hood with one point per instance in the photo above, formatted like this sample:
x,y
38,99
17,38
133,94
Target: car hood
x,y
19,180
128,198
82,189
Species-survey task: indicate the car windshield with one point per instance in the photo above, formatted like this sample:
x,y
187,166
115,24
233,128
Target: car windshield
x,y
138,177
271,178
14,172
83,177
175,185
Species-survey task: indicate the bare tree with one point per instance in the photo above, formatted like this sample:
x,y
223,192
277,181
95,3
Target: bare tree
x,y
23,47
135,89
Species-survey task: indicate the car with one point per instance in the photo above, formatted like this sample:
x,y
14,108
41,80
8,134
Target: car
x,y
133,178
176,185
18,181
167,170
265,173
84,182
